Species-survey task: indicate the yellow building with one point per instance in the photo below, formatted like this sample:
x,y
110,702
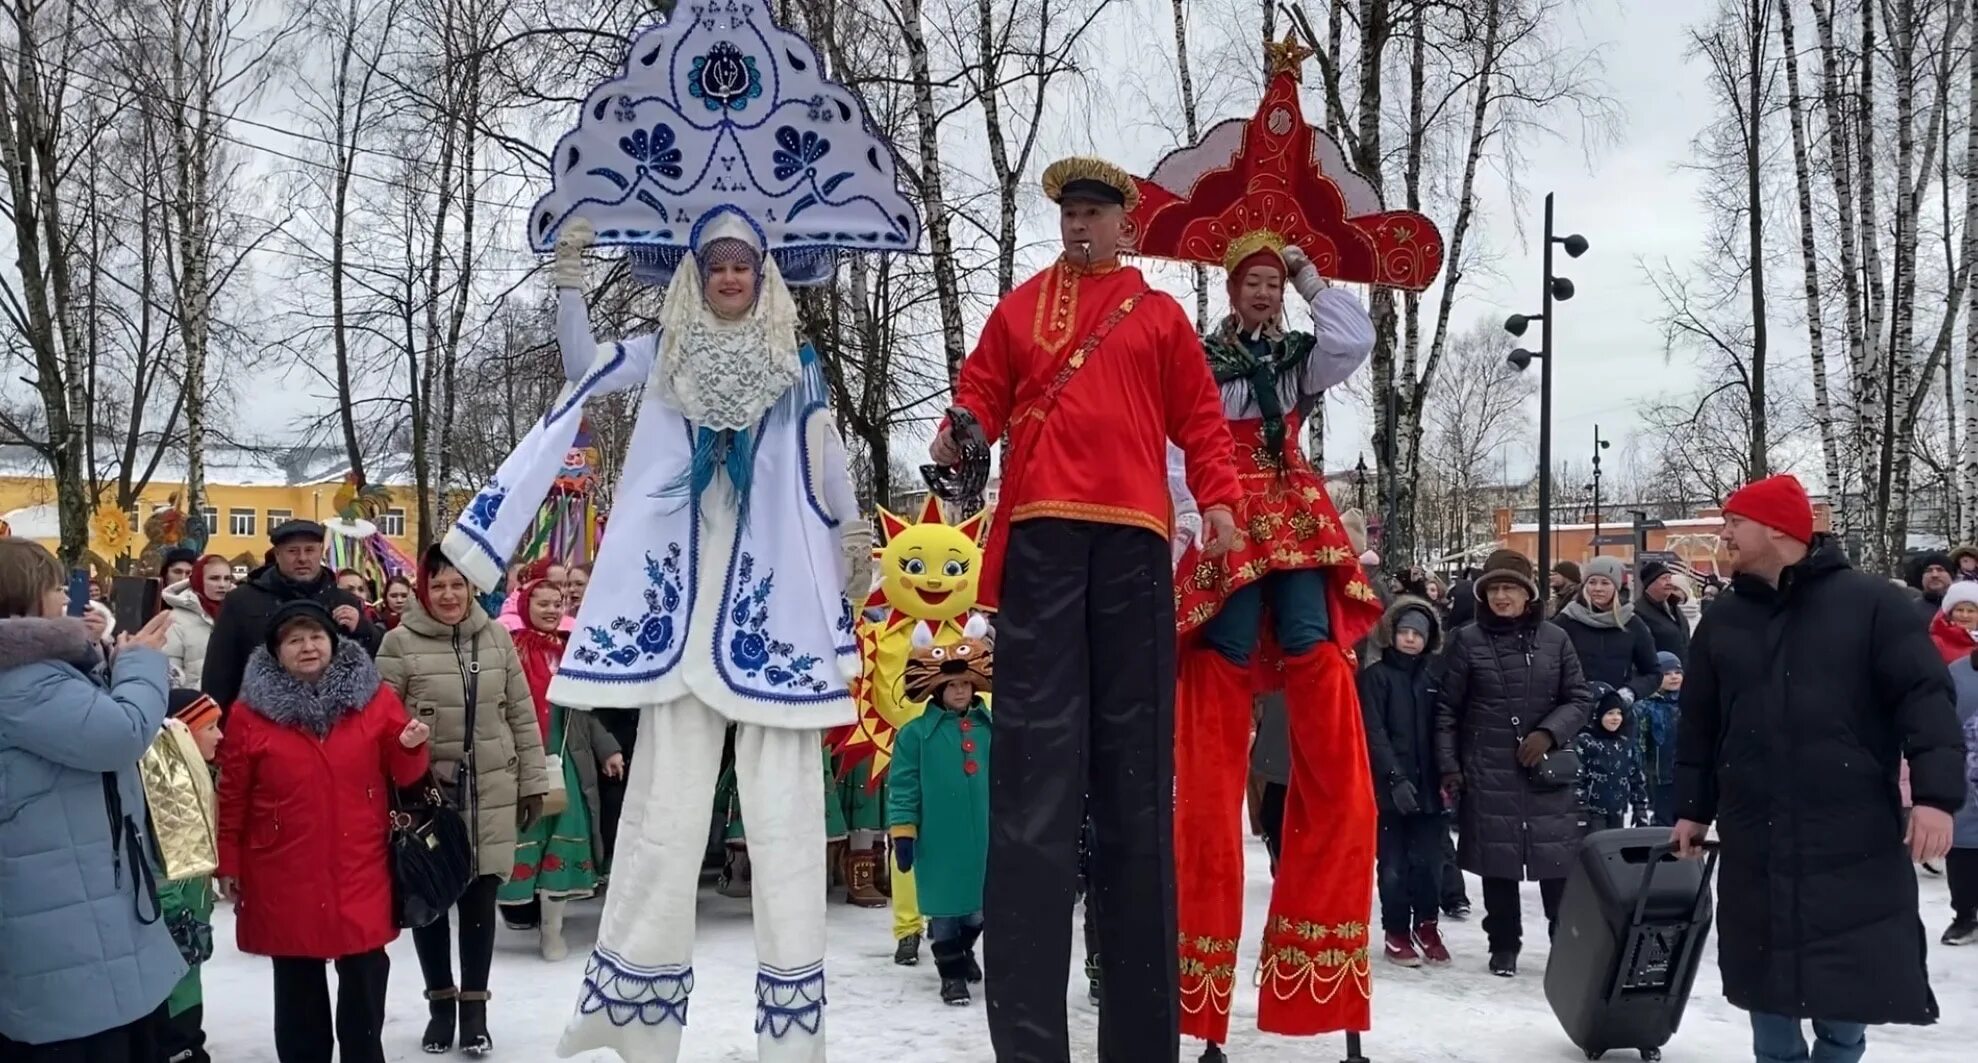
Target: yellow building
x,y
248,492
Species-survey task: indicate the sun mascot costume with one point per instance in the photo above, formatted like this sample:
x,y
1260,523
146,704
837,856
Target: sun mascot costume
x,y
926,579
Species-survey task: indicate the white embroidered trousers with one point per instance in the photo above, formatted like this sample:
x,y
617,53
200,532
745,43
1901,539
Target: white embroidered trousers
x,y
640,977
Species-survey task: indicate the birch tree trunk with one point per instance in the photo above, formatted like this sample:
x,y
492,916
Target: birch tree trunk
x,y
1968,481
1823,406
1193,130
1863,360
933,195
33,141
1756,79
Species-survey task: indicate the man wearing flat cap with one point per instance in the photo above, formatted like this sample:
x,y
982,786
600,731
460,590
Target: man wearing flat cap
x,y
1090,373
297,573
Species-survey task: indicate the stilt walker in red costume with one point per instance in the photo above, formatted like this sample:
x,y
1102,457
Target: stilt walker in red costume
x,y
1092,373
1273,204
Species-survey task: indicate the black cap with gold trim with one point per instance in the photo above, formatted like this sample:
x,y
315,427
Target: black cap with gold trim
x,y
1090,179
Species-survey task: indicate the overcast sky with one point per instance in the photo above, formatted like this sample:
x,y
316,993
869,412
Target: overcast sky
x,y
1628,198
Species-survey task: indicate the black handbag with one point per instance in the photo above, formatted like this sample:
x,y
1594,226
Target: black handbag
x,y
432,846
1556,770
432,855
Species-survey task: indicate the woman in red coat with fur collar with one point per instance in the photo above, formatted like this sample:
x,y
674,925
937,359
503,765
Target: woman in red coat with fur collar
x,y
314,747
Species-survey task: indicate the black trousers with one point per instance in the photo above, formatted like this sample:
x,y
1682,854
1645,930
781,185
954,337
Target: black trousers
x,y
1410,876
182,1037
434,941
1504,920
1454,893
1270,809
1084,724
1961,867
135,1042
304,1031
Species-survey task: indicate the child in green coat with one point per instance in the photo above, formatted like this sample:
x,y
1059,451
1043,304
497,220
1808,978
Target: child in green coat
x,y
188,906
938,804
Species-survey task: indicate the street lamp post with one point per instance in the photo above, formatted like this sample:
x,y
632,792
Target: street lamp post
x,y
1599,445
1360,484
1560,289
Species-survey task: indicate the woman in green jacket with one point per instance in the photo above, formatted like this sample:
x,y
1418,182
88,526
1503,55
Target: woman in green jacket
x,y
938,805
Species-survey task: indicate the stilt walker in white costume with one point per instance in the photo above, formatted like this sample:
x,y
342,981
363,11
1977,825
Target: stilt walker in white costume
x,y
721,158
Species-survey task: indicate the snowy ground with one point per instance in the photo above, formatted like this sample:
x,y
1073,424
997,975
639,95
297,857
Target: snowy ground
x,y
882,1012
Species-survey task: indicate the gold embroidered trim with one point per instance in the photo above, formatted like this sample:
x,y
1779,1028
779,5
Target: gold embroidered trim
x,y
1094,512
1288,969
1057,309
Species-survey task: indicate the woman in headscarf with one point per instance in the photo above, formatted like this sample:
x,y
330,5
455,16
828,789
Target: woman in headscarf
x,y
459,673
195,603
559,856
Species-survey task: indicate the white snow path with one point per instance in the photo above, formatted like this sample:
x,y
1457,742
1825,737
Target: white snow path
x,y
1458,1014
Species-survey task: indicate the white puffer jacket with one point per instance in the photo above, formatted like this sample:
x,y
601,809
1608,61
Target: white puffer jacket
x,y
185,643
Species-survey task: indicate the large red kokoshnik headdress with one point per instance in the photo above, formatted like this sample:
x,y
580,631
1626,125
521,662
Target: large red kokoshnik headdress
x,y
1271,181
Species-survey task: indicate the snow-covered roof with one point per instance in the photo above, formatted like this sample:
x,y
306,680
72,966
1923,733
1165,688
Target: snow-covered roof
x,y
1623,522
35,522
235,466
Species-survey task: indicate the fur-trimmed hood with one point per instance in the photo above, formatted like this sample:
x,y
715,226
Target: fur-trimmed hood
x,y
347,686
30,639
1381,640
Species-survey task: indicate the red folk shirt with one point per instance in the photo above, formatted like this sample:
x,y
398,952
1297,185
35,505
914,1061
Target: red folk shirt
x,y
1100,453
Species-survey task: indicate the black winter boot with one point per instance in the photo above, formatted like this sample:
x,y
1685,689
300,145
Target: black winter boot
x,y
1504,963
948,960
439,1029
1213,1054
907,952
971,969
474,1039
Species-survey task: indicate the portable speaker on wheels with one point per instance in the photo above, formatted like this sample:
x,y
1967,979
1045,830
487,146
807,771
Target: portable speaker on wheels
x,y
1632,925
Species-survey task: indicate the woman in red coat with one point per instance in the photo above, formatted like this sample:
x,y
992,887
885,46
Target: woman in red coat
x,y
1952,629
314,746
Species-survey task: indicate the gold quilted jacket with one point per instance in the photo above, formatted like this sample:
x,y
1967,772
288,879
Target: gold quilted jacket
x,y
179,790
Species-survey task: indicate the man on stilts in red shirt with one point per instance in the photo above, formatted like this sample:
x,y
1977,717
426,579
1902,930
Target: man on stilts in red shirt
x,y
1091,374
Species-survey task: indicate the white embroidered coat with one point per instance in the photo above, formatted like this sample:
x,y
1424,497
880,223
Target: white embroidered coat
x,y
751,620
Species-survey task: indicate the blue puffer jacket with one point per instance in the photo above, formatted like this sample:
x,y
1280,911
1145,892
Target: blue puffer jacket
x,y
82,949
1965,829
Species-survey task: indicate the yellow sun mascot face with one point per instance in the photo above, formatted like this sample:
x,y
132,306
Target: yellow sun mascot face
x,y
930,570
929,575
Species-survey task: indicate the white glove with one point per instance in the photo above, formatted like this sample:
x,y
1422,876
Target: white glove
x,y
570,244
1187,532
1304,276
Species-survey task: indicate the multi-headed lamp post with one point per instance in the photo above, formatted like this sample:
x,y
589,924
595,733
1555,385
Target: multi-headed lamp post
x,y
1599,445
1557,289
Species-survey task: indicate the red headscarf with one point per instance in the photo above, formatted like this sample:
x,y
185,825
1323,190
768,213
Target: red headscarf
x,y
541,651
211,605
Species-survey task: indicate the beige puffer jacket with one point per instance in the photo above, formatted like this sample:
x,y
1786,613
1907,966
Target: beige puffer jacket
x,y
185,643
420,661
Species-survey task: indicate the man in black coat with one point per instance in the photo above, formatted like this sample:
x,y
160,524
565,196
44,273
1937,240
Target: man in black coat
x,y
1807,686
297,574
1659,609
1929,575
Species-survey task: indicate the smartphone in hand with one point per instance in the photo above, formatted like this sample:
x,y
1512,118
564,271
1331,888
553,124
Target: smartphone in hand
x,y
135,600
78,591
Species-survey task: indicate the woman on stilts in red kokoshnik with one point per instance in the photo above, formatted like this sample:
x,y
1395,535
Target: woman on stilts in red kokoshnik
x,y
1286,605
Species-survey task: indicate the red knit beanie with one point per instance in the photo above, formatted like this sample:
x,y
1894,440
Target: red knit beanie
x,y
1778,502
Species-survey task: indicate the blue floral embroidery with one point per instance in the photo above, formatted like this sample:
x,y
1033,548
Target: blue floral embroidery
x,y
653,151
628,640
796,152
751,648
626,992
724,78
844,616
789,998
487,505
